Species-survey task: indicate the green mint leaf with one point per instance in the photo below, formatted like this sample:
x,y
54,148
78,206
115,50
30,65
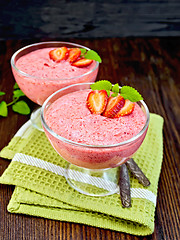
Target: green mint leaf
x,y
2,93
114,94
115,88
131,93
83,51
21,107
18,93
16,86
3,109
108,92
92,55
102,84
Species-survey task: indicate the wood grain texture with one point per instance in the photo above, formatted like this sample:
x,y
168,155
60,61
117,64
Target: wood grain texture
x,y
89,19
151,65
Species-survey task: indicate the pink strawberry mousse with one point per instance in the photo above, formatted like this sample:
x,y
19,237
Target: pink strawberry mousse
x,y
39,76
70,118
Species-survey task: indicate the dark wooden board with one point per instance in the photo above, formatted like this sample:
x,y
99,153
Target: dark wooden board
x,y
89,19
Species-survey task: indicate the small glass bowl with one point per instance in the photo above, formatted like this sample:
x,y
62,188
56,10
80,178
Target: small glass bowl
x,y
92,159
39,88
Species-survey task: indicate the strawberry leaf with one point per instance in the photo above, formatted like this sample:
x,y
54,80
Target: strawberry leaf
x,y
21,107
2,93
131,93
3,109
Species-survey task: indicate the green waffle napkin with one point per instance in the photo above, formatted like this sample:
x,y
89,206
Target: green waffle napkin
x,y
41,189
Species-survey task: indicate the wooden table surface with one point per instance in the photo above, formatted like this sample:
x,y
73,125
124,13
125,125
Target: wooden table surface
x,y
150,65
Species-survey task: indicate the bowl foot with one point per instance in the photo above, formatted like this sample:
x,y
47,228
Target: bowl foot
x,y
93,182
36,119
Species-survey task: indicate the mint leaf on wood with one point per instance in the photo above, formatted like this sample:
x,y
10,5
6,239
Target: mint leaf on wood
x,y
21,107
16,86
3,109
18,93
131,93
2,93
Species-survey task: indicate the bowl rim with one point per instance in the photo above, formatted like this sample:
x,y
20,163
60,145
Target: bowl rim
x,y
49,130
12,61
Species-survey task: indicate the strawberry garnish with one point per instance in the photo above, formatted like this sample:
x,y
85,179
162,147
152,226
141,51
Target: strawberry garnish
x,y
82,62
74,54
126,109
113,106
59,54
97,101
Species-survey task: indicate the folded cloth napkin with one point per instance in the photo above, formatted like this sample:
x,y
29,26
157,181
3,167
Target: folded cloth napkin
x,y
41,189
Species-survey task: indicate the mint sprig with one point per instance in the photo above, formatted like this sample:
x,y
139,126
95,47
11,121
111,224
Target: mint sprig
x,y
115,90
3,109
90,54
18,106
102,84
15,86
131,93
126,92
17,94
21,107
2,93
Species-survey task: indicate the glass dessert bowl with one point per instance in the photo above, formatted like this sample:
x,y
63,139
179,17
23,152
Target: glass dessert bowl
x,y
38,76
89,164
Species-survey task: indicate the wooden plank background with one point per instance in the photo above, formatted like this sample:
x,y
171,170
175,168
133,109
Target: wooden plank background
x,y
88,19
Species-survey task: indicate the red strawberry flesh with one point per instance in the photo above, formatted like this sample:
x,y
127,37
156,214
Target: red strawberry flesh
x,y
97,101
59,54
127,109
82,62
74,54
113,106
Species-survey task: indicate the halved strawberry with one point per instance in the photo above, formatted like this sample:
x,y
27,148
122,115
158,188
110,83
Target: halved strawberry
x,y
113,106
126,109
82,62
74,54
97,101
59,54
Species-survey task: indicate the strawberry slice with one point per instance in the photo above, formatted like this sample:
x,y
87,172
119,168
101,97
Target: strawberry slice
x,y
113,106
97,101
74,54
82,62
127,109
59,54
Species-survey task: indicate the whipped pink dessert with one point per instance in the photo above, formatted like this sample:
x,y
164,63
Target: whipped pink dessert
x,y
71,119
38,76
